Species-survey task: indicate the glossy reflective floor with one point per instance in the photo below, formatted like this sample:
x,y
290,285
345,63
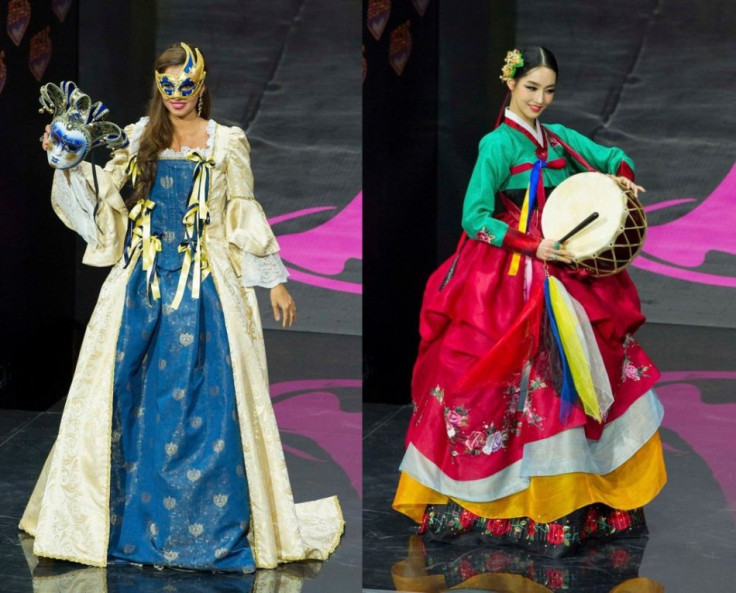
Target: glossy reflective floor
x,y
315,389
692,523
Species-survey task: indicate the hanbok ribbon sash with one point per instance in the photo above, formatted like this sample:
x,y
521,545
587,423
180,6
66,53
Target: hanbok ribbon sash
x,y
535,189
534,193
535,180
584,373
140,238
196,219
555,164
519,342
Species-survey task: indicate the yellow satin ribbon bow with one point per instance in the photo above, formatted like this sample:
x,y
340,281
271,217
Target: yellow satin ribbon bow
x,y
150,249
149,244
133,169
195,222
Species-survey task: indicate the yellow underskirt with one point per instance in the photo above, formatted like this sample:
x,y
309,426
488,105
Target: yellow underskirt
x,y
547,498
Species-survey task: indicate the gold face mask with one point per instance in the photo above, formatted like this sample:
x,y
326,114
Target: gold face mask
x,y
189,80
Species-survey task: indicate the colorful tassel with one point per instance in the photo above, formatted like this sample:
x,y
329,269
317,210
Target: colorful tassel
x,y
584,375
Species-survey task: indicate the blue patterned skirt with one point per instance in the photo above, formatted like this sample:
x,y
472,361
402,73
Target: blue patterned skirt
x,y
179,495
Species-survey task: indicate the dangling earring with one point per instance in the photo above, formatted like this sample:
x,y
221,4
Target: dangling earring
x,y
199,106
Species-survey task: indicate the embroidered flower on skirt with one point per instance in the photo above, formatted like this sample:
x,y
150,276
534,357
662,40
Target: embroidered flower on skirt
x,y
630,371
453,523
485,236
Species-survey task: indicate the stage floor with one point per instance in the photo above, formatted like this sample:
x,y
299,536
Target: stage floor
x,y
315,389
692,523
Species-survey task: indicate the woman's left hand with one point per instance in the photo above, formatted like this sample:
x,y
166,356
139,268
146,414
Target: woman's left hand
x,y
628,185
284,307
552,251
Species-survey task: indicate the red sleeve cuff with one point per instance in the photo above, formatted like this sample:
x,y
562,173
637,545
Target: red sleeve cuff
x,y
625,171
517,241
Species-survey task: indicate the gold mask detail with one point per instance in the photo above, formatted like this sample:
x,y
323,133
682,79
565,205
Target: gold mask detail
x,y
189,80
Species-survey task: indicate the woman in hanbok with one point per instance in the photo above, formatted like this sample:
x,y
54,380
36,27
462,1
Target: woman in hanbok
x,y
496,450
168,451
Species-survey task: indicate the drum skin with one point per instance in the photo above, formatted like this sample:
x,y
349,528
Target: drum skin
x,y
611,242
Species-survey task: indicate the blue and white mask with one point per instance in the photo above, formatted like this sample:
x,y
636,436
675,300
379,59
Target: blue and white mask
x,y
78,125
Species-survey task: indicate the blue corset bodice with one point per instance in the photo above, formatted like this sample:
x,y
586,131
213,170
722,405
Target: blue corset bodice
x,y
170,192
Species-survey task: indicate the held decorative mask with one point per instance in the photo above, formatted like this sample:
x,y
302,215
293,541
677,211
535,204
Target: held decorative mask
x,y
78,125
189,80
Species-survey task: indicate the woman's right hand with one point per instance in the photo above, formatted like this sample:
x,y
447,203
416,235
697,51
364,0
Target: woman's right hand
x,y
551,250
45,138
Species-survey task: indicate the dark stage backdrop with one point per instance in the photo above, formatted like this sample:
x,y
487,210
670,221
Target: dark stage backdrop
x,y
399,176
430,93
656,78
649,76
288,73
117,50
471,46
37,45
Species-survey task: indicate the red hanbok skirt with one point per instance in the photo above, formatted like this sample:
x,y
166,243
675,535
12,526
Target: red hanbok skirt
x,y
487,418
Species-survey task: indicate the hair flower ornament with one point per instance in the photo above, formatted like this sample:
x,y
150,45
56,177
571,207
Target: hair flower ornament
x,y
513,61
78,125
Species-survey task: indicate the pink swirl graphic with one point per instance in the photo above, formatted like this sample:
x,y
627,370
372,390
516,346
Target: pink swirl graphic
x,y
313,411
708,428
677,248
324,250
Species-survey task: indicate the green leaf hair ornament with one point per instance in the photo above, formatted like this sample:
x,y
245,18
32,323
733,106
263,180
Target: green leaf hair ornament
x,y
511,63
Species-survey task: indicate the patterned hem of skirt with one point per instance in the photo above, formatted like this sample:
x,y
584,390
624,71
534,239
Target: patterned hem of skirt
x,y
562,537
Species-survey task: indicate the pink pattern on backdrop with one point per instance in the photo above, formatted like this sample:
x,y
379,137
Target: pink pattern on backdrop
x,y
19,16
400,47
39,55
379,12
3,70
421,6
315,413
61,8
707,428
324,250
683,244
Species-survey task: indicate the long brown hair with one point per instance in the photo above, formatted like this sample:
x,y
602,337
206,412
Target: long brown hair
x,y
159,131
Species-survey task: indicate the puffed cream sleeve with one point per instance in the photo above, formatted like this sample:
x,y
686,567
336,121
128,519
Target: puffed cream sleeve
x,y
252,247
101,221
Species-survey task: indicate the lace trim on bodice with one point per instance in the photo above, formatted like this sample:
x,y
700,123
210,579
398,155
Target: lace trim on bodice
x,y
170,153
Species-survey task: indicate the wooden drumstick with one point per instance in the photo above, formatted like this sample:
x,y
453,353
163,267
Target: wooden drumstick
x,y
580,226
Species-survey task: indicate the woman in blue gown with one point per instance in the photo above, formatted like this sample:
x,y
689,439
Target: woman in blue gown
x,y
168,453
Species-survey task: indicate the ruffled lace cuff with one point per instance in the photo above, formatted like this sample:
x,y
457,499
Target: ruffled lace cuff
x,y
266,271
76,202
